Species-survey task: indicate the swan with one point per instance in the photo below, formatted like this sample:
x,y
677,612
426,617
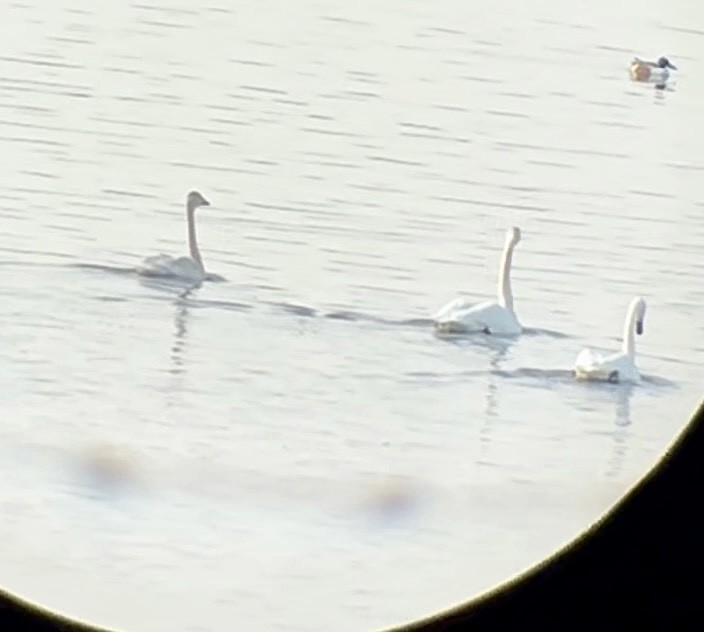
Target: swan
x,y
491,317
189,268
617,367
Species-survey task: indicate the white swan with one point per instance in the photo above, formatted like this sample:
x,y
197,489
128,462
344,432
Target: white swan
x,y
189,268
617,367
491,317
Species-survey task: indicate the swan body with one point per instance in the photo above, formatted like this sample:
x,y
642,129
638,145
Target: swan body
x,y
491,317
657,71
187,268
616,367
168,266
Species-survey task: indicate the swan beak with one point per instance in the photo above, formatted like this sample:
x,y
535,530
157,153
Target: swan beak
x,y
671,65
205,202
639,327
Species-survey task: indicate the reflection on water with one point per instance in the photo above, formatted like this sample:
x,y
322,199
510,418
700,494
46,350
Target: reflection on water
x,y
620,434
491,417
103,268
180,329
623,407
662,88
491,400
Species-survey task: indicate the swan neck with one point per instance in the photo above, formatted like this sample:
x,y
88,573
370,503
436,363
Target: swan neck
x,y
505,294
629,332
192,241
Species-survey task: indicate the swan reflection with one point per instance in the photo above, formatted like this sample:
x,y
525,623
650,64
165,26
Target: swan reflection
x,y
500,348
621,429
180,330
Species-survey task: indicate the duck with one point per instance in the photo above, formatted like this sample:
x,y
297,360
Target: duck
x,y
618,367
496,317
657,71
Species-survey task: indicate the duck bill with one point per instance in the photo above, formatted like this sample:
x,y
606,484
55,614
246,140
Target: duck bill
x,y
639,327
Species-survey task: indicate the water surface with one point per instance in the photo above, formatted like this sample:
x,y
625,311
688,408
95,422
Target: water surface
x,y
293,449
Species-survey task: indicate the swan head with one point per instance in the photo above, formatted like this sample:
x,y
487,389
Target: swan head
x,y
513,236
664,62
196,200
638,311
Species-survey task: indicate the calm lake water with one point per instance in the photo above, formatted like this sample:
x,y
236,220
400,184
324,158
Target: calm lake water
x,y
294,449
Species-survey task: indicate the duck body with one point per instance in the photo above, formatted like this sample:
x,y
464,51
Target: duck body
x,y
651,71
